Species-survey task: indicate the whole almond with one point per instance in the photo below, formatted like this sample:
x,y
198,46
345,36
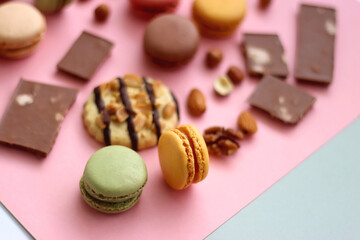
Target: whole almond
x,y
247,123
196,102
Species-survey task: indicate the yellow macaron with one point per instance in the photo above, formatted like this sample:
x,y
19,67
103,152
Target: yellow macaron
x,y
22,28
183,155
218,18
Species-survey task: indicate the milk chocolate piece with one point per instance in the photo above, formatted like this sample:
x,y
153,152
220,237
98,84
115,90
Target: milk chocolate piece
x,y
85,56
281,100
33,116
315,44
264,54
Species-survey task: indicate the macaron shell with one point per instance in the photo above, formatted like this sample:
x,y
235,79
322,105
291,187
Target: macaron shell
x,y
21,25
200,150
19,53
212,33
218,18
171,40
150,8
49,6
176,159
115,171
107,207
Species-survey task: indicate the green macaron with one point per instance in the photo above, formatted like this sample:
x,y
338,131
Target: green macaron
x,y
113,179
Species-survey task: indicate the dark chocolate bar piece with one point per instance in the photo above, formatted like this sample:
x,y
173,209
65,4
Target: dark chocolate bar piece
x,y
281,100
264,54
33,116
315,44
85,56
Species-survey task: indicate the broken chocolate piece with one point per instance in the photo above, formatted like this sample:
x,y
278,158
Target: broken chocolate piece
x,y
85,56
315,44
33,116
281,100
264,54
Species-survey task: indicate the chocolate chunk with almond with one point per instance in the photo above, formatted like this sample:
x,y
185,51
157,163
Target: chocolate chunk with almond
x,y
264,54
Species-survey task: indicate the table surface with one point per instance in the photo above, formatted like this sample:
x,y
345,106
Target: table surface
x,y
319,199
44,194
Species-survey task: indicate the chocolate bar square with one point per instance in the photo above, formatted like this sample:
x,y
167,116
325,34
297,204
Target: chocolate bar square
x,y
85,56
33,116
315,44
264,54
281,100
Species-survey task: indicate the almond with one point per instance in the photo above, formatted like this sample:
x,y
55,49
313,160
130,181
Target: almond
x,y
247,123
139,121
196,102
168,110
132,80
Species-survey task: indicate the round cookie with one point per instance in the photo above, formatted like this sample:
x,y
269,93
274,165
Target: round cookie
x,y
113,179
183,156
22,28
50,6
171,40
216,18
150,8
131,111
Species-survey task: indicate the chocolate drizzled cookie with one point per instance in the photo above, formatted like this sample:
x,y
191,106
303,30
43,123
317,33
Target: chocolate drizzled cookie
x,y
131,111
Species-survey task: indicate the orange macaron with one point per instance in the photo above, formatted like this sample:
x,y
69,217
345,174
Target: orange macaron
x,y
183,155
218,18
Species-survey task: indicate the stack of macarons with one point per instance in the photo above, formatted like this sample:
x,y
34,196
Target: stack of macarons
x,y
22,28
183,155
113,179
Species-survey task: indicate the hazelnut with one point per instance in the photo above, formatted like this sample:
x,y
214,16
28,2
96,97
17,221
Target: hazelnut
x,y
223,86
196,102
102,12
235,74
264,3
213,57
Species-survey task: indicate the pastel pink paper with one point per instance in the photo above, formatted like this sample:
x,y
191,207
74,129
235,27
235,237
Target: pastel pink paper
x,y
44,194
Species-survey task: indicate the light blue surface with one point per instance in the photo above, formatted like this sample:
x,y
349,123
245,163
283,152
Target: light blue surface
x,y
10,227
319,199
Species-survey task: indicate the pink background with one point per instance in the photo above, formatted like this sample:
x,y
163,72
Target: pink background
x,y
44,194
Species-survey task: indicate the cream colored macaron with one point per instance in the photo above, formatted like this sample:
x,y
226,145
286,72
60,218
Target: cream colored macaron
x,y
22,27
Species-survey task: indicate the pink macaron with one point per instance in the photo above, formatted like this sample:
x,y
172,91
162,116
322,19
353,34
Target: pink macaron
x,y
150,8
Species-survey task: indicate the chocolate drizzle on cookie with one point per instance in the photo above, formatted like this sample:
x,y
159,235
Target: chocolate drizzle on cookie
x,y
176,105
130,120
151,95
105,115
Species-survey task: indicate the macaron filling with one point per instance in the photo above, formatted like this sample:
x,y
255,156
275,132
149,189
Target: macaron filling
x,y
190,154
106,206
198,154
103,198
